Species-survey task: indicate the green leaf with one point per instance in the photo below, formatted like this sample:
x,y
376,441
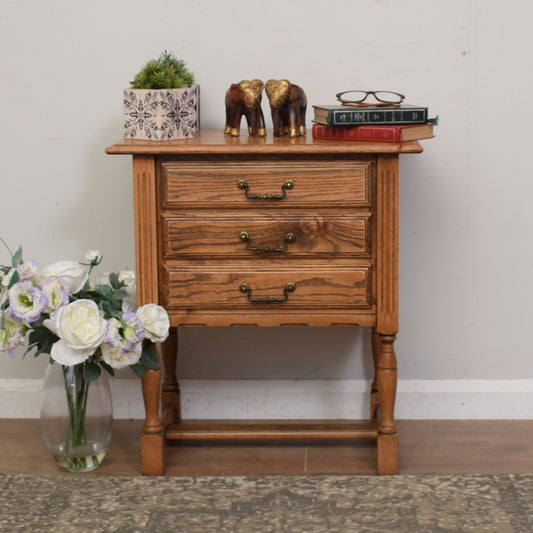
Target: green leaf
x,y
138,369
35,335
149,359
107,368
39,349
41,339
106,307
34,338
113,280
15,278
41,334
117,315
105,290
17,257
82,295
92,371
28,350
117,298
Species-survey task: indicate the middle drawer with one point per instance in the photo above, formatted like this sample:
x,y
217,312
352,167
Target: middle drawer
x,y
248,234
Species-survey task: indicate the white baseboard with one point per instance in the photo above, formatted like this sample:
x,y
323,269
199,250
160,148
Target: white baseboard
x,y
304,399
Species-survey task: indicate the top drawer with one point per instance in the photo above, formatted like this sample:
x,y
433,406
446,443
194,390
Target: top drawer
x,y
266,184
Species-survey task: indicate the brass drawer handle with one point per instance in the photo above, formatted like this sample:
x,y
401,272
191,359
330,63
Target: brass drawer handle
x,y
290,287
245,237
288,184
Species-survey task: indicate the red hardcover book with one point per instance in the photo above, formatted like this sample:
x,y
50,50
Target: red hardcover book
x,y
395,134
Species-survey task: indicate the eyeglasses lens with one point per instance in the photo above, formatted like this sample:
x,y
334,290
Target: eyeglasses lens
x,y
353,96
386,96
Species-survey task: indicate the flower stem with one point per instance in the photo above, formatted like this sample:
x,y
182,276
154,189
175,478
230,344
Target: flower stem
x,y
77,390
5,244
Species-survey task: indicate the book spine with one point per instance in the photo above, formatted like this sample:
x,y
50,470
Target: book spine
x,y
353,117
358,133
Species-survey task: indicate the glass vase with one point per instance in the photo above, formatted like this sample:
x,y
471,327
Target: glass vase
x,y
76,417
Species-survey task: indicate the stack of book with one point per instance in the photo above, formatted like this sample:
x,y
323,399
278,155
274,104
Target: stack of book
x,y
396,124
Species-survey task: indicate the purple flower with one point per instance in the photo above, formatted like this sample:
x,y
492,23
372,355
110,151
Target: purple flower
x,y
134,331
112,335
26,302
27,270
56,292
12,335
124,335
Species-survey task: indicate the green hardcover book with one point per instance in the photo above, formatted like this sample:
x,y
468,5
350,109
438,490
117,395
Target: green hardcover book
x,y
344,115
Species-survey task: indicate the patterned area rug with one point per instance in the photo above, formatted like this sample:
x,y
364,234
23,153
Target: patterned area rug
x,y
325,504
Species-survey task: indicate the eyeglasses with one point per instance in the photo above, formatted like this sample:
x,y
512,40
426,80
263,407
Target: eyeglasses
x,y
358,97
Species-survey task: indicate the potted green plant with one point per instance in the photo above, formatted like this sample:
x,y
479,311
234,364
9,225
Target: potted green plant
x,y
163,101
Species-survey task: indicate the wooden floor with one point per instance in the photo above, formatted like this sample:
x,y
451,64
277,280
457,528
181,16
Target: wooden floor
x,y
426,447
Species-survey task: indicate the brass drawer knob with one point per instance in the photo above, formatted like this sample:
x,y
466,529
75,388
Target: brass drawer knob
x,y
245,237
287,185
289,287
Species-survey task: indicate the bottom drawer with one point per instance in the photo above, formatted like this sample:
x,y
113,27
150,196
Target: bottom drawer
x,y
298,287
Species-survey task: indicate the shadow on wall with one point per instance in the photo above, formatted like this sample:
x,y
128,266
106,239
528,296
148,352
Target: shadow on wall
x,y
288,352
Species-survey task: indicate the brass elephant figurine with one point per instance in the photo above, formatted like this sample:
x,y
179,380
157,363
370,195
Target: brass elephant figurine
x,y
288,104
244,98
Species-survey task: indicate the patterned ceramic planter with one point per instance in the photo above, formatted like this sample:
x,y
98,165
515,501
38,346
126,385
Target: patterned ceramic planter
x,y
161,114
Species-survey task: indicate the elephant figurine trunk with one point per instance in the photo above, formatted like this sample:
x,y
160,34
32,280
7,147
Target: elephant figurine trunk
x,y
288,104
244,98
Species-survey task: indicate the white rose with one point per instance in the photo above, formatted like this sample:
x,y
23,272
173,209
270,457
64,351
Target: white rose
x,y
115,358
127,277
93,255
64,355
81,328
71,272
155,321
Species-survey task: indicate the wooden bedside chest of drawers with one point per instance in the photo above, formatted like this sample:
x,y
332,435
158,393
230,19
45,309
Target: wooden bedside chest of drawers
x,y
267,232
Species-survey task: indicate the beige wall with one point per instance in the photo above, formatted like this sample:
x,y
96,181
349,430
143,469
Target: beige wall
x,y
465,222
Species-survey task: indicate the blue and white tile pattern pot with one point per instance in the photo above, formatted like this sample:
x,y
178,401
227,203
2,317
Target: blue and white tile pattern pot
x,y
161,114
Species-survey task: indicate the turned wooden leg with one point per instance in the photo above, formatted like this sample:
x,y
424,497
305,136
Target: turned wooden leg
x,y
386,381
170,396
153,439
374,392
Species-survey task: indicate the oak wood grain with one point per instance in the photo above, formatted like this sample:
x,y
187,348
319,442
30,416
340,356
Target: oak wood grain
x,y
145,217
264,317
219,286
387,244
271,431
253,234
218,183
194,198
208,142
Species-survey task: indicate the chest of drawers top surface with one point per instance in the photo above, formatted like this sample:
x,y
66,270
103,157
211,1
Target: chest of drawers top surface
x,y
215,142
